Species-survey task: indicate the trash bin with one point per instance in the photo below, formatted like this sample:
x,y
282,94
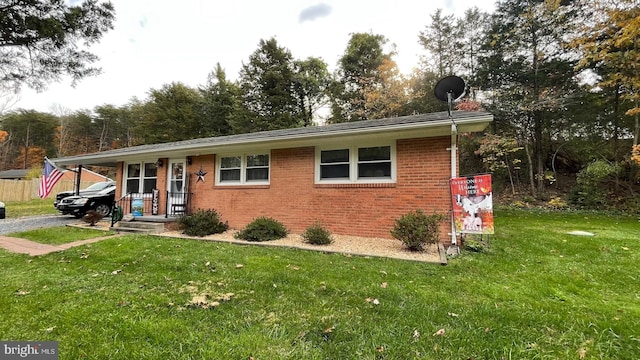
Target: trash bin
x,y
2,210
137,207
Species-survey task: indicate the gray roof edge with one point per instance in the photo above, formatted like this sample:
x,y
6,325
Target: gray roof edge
x,y
353,128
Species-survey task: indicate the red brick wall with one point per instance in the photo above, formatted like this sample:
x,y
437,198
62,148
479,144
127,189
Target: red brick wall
x,y
423,170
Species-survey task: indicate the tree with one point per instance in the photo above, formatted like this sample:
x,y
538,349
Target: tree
x,y
495,151
111,122
172,113
80,130
389,97
267,82
609,45
4,149
421,97
358,74
529,74
311,83
221,102
40,40
442,44
470,29
29,129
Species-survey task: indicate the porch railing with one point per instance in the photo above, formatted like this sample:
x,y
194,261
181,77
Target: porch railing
x,y
140,204
178,203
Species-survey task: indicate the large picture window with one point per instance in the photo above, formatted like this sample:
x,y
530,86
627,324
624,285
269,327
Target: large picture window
x,y
356,164
245,169
141,177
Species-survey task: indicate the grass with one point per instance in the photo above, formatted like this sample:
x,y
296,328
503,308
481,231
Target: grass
x,y
537,293
60,235
15,209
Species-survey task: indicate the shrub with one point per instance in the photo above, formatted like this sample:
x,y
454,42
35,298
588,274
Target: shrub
x,y
201,223
415,229
590,191
262,229
474,245
316,234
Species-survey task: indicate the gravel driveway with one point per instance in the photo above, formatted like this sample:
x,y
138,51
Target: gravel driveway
x,y
33,222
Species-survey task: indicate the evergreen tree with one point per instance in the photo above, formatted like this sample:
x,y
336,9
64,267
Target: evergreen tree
x,y
267,85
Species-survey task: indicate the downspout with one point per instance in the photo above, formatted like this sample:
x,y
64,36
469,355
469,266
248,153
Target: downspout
x,y
454,173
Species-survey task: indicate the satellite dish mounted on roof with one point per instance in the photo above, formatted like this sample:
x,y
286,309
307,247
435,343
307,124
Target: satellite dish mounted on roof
x,y
449,89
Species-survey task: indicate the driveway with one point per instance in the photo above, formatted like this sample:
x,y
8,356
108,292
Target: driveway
x,y
26,223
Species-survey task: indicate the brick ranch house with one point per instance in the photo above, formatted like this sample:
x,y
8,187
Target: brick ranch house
x,y
355,178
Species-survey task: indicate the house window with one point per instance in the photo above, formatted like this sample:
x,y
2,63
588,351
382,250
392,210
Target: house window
x,y
230,169
356,164
243,169
141,177
374,162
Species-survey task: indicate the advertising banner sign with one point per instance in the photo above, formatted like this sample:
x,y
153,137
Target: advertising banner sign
x,y
472,203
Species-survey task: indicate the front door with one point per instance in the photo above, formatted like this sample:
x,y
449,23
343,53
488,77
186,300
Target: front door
x,y
177,187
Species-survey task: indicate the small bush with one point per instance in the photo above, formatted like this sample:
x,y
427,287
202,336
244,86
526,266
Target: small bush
x,y
202,223
262,229
416,229
474,245
316,234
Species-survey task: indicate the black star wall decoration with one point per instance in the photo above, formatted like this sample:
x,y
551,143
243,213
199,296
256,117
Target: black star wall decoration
x,y
200,174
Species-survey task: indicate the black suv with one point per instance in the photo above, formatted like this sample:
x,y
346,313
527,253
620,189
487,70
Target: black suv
x,y
92,189
101,201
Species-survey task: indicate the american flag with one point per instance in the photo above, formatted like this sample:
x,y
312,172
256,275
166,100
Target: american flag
x,y
50,176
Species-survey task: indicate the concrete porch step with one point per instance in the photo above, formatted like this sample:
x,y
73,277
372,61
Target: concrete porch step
x,y
143,227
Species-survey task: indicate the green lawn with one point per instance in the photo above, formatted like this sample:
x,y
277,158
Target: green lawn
x,y
17,209
60,235
538,293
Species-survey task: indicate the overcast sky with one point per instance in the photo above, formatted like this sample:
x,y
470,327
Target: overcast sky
x,y
157,42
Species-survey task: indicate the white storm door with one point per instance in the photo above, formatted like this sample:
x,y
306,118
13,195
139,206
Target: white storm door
x,y
176,184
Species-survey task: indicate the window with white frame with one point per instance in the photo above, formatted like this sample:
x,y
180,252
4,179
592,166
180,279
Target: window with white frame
x,y
141,177
245,169
356,164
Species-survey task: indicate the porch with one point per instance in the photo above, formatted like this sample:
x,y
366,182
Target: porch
x,y
154,206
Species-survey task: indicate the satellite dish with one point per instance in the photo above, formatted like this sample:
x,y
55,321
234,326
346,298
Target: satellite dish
x,y
450,85
449,89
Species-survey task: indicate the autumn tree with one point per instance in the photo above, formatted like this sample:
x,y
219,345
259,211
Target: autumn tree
x,y
609,45
358,75
389,97
28,129
41,41
4,136
31,158
497,154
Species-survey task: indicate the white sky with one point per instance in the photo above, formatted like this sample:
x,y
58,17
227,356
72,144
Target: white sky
x,y
157,42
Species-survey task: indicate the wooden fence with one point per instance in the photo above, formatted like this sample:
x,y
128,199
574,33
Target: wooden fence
x,y
25,190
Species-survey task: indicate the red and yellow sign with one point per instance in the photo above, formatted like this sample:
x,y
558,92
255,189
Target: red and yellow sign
x,y
472,202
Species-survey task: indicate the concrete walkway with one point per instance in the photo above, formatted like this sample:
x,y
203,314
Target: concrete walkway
x,y
32,248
